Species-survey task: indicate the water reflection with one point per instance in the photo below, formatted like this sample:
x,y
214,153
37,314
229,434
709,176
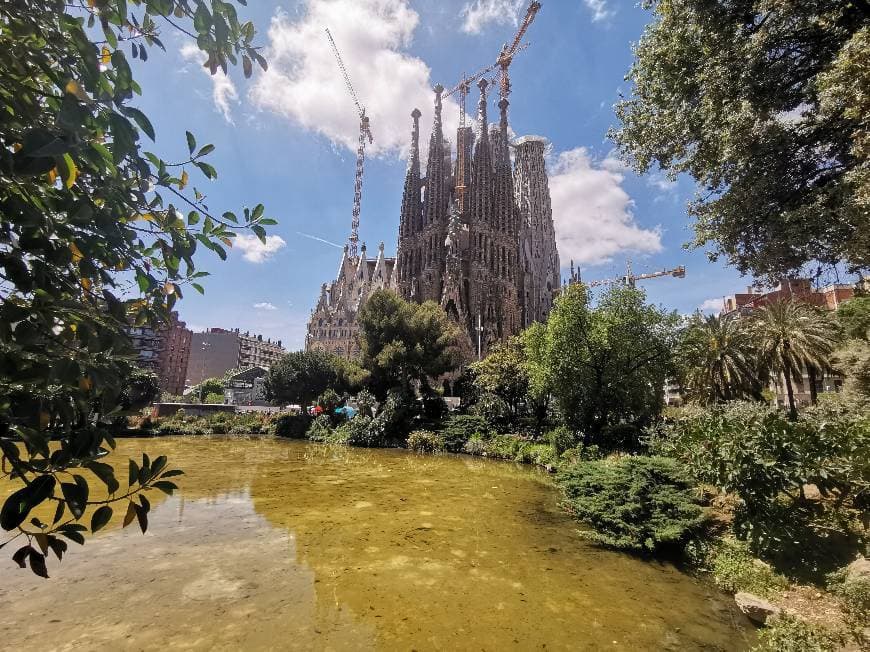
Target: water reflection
x,y
288,546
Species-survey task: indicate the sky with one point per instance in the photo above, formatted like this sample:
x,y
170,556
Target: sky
x,y
287,138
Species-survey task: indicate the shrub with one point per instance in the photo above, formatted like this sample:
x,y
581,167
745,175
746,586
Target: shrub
x,y
735,569
493,410
214,398
854,596
789,634
366,402
561,439
459,428
755,452
636,503
292,426
393,422
320,428
359,432
425,441
474,446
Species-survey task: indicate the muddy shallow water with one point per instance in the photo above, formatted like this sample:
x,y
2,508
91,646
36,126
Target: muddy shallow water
x,y
287,545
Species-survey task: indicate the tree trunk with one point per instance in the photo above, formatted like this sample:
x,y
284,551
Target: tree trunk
x,y
792,408
814,394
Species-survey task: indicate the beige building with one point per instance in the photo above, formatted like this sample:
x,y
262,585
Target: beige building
x,y
216,351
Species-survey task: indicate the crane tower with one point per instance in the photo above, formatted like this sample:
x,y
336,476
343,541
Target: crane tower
x,y
364,134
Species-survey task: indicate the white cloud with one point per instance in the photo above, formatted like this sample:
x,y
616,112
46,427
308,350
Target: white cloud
x,y
661,183
304,84
712,305
254,250
480,13
223,90
593,213
600,10
265,305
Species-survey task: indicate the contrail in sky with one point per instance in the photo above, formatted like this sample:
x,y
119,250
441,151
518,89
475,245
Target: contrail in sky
x,y
314,237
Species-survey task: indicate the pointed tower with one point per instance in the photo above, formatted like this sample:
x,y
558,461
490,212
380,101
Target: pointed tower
x,y
411,216
539,258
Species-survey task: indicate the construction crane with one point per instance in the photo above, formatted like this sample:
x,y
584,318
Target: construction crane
x,y
630,279
504,60
364,134
506,56
462,88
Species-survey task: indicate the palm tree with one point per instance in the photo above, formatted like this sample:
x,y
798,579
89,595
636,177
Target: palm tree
x,y
793,336
718,360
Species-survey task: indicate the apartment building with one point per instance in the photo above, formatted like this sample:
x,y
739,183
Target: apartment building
x,y
216,351
165,351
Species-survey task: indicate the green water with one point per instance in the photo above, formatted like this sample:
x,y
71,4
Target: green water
x,y
286,545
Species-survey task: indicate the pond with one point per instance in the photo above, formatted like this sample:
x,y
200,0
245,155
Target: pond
x,y
288,545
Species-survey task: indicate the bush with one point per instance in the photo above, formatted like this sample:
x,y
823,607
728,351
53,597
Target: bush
x,y
735,569
292,426
755,452
493,410
393,422
474,446
459,428
214,398
789,634
425,441
561,439
320,429
635,503
854,596
358,432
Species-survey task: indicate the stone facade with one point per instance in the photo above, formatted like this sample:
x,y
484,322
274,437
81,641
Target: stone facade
x,y
489,257
332,326
479,241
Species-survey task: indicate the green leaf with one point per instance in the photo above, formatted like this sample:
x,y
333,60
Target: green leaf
x,y
142,120
100,518
133,476
142,513
18,505
172,473
106,473
165,486
207,149
191,142
76,495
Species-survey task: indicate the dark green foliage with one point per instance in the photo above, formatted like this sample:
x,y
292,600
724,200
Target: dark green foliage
x,y
320,429
329,401
608,366
141,388
561,439
854,318
735,569
393,422
92,239
425,441
787,633
635,503
757,453
504,374
301,376
763,104
359,432
459,428
209,386
403,342
292,426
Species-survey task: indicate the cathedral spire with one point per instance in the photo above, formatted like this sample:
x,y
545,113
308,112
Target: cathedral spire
x,y
436,127
481,109
503,122
415,139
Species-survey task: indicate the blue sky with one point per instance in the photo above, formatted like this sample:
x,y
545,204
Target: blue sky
x,y
287,139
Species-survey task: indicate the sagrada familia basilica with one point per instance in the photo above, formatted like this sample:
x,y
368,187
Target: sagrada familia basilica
x,y
475,235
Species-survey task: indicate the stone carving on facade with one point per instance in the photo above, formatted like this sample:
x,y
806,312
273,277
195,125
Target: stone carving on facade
x,y
492,264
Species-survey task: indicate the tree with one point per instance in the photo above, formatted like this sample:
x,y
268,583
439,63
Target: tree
x,y
301,376
210,386
540,389
717,360
764,105
608,365
793,336
92,241
854,318
504,373
403,342
141,388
